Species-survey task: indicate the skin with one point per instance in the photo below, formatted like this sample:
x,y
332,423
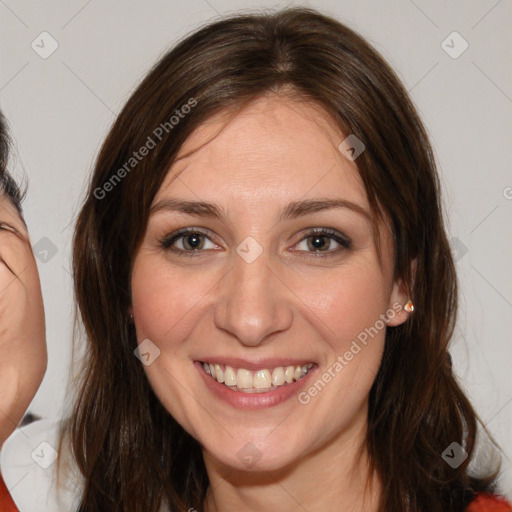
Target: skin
x,y
23,356
287,303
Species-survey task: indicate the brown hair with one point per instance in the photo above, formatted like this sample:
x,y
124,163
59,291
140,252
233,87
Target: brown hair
x,y
129,449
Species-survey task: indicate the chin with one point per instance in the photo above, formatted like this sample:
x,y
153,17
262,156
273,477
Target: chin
x,y
252,453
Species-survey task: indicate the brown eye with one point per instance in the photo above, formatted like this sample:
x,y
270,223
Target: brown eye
x,y
192,241
187,241
320,240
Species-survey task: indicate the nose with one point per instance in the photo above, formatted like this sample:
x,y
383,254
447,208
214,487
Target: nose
x,y
253,302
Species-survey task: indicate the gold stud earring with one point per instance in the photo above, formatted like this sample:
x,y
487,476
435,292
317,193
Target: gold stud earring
x,y
409,306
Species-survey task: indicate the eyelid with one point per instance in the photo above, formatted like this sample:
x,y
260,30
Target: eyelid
x,y
332,234
167,240
325,231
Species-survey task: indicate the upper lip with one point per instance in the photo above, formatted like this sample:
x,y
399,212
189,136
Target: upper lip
x,y
238,362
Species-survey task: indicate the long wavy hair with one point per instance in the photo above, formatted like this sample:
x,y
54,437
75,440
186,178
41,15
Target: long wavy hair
x,y
130,451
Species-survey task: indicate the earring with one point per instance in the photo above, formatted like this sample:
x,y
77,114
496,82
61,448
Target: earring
x,y
409,306
130,316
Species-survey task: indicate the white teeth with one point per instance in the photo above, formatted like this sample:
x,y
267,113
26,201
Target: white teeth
x,y
219,374
229,376
288,374
262,379
240,379
278,376
243,378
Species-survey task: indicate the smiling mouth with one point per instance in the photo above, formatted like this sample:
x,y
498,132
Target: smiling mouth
x,y
258,381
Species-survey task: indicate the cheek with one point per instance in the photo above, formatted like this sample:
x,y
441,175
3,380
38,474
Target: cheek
x,y
164,300
344,309
344,303
166,303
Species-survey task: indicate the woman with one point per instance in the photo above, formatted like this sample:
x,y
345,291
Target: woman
x,y
267,289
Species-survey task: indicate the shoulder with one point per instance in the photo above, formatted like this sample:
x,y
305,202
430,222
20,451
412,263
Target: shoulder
x,y
489,503
29,468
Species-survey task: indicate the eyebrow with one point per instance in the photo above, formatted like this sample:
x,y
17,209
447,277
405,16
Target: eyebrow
x,y
292,210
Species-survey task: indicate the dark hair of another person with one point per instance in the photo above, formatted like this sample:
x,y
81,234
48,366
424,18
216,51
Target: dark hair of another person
x,y
129,449
8,186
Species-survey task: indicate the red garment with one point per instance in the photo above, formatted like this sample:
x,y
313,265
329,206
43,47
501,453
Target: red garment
x,y
487,503
6,503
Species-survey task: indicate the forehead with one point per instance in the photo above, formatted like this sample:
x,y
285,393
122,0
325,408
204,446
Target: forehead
x,y
275,149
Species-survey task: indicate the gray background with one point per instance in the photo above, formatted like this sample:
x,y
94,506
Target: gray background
x,y
61,107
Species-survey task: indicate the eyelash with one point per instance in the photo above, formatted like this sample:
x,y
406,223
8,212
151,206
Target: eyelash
x,y
332,234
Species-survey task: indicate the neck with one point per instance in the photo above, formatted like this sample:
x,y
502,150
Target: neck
x,y
335,477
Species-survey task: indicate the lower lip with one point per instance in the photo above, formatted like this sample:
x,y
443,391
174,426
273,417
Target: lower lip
x,y
243,400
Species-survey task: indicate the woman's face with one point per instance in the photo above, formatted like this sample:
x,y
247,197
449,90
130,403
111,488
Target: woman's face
x,y
256,293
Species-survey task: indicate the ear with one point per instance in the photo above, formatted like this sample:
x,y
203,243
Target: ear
x,y
397,314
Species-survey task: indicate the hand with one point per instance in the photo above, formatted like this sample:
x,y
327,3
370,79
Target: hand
x,y
23,356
